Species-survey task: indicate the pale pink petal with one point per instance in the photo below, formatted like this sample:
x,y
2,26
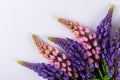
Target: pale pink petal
x,y
69,69
76,75
89,53
91,60
97,56
68,62
95,43
87,30
64,56
70,74
59,59
63,69
63,64
96,65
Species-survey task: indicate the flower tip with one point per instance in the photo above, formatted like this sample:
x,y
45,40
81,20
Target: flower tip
x,y
20,62
59,19
50,38
112,6
110,11
33,35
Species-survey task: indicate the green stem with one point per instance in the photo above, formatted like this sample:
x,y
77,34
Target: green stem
x,y
100,73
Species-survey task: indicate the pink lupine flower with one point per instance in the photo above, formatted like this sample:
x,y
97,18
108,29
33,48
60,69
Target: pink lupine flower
x,y
59,59
85,38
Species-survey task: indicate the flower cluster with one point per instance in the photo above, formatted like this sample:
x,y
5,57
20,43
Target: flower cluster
x,y
85,38
103,32
59,59
77,55
47,71
93,56
113,58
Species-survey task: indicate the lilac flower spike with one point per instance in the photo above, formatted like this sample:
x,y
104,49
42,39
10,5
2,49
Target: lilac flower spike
x,y
46,71
103,32
59,59
113,58
77,56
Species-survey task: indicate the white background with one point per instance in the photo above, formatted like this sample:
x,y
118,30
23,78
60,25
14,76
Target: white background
x,y
19,19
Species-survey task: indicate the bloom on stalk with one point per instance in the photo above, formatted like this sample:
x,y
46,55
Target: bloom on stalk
x,y
103,32
113,58
47,71
85,38
77,56
94,56
59,59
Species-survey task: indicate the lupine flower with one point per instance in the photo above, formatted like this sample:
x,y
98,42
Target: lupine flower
x,y
113,58
78,29
77,55
85,38
88,42
103,32
47,71
94,56
58,58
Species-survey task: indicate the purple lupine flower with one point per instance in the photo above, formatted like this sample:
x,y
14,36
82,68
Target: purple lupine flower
x,y
113,58
59,59
103,32
118,63
46,71
77,56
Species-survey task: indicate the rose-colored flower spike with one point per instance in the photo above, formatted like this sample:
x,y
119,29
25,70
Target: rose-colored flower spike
x,y
59,59
78,29
85,38
44,48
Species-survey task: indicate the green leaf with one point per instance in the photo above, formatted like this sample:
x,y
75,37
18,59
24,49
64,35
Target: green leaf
x,y
105,68
107,77
95,79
